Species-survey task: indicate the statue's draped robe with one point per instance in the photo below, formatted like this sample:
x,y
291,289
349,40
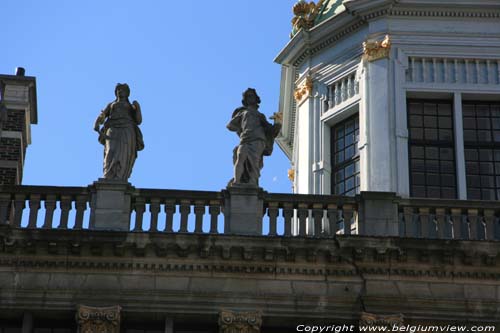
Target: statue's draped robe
x,y
254,132
121,141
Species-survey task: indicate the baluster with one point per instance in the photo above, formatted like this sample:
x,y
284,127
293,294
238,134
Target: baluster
x,y
5,201
356,86
498,71
456,71
332,218
140,208
441,222
489,220
154,209
409,222
50,206
81,206
317,213
424,222
272,212
19,204
424,70
456,216
467,74
287,214
169,215
473,217
331,92
199,211
214,211
350,86
338,95
445,70
34,203
185,210
478,72
434,70
303,215
65,206
488,72
343,90
348,213
474,223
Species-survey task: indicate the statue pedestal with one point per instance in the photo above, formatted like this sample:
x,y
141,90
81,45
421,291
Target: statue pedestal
x,y
243,210
110,205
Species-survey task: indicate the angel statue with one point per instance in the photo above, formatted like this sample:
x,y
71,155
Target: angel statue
x,y
256,139
120,134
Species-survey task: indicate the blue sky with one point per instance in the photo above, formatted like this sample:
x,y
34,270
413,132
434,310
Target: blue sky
x,y
187,63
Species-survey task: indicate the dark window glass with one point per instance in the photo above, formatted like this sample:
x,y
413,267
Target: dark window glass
x,y
482,149
345,162
431,147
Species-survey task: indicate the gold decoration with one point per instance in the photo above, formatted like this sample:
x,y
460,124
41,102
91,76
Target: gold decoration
x,y
375,50
291,174
370,319
304,90
277,117
305,14
98,320
239,322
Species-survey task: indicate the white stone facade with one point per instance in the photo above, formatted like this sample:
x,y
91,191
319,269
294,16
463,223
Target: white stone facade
x,y
448,50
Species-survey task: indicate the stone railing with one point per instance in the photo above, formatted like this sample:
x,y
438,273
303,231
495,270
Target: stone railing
x,y
310,215
177,204
449,219
343,90
271,214
59,201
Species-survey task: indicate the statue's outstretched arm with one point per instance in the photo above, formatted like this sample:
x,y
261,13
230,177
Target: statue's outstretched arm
x,y
137,113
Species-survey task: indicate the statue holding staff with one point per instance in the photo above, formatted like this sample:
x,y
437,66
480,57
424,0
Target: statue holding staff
x,y
256,139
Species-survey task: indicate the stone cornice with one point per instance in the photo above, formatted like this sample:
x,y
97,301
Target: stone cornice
x,y
192,254
308,43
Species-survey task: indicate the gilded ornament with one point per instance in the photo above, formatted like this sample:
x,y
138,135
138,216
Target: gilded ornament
x,y
291,174
304,90
98,319
305,14
239,322
375,50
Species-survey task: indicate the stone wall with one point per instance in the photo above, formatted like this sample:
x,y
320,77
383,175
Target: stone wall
x,y
190,278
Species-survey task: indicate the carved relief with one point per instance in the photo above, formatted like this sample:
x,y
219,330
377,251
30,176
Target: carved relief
x,y
370,319
304,89
305,14
239,322
375,50
98,320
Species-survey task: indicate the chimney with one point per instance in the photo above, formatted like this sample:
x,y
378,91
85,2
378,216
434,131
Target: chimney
x,y
18,110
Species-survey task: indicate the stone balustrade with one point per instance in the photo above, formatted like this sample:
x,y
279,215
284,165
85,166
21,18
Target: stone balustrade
x,y
283,215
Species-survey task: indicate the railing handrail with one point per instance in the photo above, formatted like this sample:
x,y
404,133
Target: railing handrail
x,y
309,199
447,203
168,194
43,191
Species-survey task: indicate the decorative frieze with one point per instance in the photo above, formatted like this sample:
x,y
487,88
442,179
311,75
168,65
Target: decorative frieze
x,y
239,322
370,319
98,319
304,90
375,50
453,70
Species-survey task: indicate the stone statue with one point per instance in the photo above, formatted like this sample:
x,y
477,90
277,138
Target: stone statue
x,y
120,134
256,139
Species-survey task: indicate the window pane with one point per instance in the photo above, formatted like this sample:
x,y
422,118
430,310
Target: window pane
x,y
432,156
345,161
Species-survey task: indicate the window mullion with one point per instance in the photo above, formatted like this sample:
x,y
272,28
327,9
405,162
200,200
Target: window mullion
x,y
459,146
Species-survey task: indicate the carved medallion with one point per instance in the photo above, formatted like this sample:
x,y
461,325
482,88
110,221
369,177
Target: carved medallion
x,y
239,322
370,319
375,50
98,320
